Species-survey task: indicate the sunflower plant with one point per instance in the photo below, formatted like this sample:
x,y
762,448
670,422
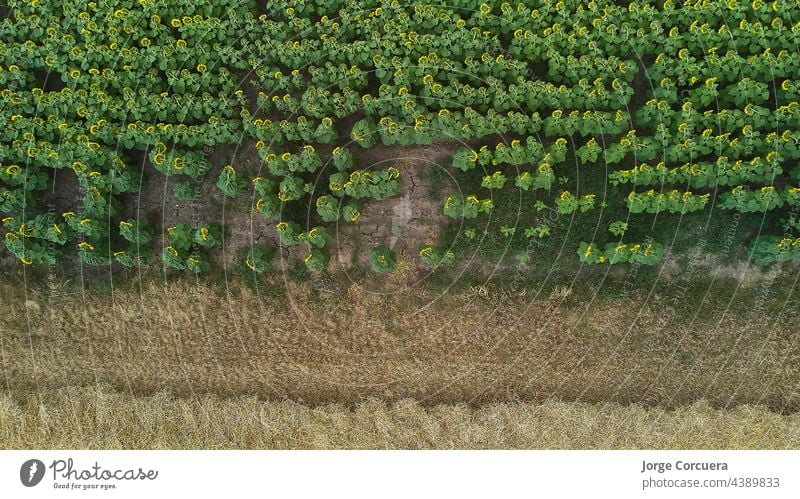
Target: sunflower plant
x,y
382,259
259,259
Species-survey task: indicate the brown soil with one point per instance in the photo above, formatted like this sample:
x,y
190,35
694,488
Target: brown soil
x,y
404,222
746,273
242,227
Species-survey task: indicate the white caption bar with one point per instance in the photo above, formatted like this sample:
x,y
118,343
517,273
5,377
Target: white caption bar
x,y
370,474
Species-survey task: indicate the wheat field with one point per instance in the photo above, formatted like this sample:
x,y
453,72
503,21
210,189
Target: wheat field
x,y
194,365
100,418
192,338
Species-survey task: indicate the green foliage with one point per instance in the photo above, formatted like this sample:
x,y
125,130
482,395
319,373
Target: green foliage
x,y
586,202
164,83
198,263
643,253
27,177
186,190
44,226
702,174
317,260
380,184
566,203
465,159
180,236
270,207
434,257
180,253
317,236
306,160
649,253
748,91
745,200
170,162
180,259
351,211
230,182
507,231
289,233
382,259
328,208
263,186
30,252
132,257
326,132
342,159
135,231
14,200
770,249
523,257
90,228
707,93
589,152
174,258
540,231
494,181
292,188
543,178
259,259
673,201
618,228
455,206
99,205
364,133
590,254
614,154
95,256
208,235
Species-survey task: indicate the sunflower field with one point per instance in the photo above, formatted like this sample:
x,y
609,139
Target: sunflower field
x,y
638,109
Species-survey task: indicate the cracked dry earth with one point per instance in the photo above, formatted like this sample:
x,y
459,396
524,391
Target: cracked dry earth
x,y
404,222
